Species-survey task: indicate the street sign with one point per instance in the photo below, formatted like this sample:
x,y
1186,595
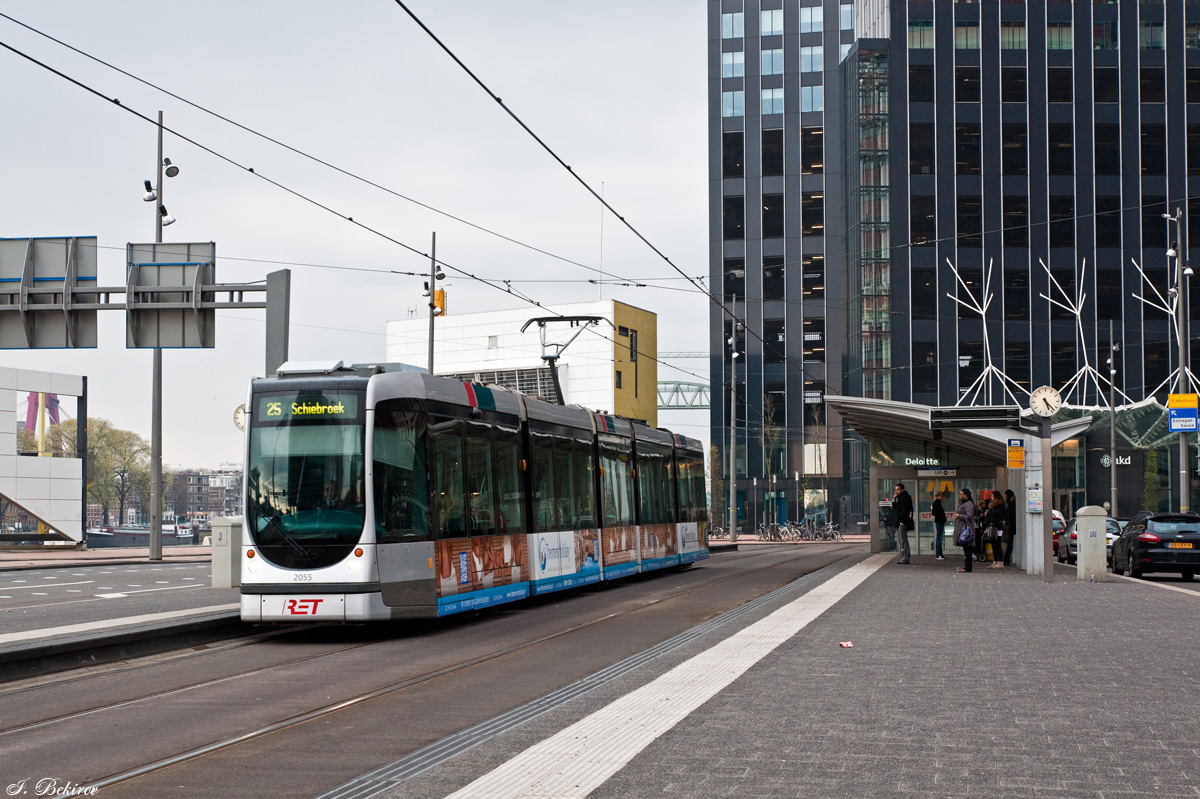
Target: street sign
x,y
937,472
41,295
1183,401
1016,454
1181,420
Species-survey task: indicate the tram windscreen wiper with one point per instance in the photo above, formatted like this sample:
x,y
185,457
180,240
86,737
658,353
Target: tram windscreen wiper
x,y
292,545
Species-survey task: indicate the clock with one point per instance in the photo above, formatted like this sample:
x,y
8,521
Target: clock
x,y
1045,401
239,417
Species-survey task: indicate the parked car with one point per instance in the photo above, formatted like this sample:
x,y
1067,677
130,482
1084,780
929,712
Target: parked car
x,y
1057,524
1070,552
1159,542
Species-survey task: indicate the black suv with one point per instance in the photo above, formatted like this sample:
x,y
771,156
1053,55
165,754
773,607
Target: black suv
x,y
1158,542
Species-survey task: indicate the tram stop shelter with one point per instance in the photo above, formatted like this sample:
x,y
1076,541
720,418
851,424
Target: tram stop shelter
x,y
904,448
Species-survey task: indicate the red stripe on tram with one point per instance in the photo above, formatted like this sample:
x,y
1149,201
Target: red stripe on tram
x,y
474,403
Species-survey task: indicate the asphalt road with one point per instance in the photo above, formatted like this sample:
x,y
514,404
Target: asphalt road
x,y
429,680
42,598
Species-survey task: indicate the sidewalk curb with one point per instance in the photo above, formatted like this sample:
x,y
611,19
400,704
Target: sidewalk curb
x,y
79,564
24,661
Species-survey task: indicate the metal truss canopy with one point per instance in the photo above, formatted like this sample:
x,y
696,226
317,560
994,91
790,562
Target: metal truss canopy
x,y
675,396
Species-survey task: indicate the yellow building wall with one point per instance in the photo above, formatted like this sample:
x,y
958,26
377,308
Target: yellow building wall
x,y
637,396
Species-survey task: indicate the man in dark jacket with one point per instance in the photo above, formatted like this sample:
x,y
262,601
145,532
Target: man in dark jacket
x,y
939,526
902,509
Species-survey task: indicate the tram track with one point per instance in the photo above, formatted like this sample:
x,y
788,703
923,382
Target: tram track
x,y
521,713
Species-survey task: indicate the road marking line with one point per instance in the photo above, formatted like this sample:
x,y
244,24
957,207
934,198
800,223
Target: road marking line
x,y
1156,585
59,585
580,758
108,624
111,596
147,590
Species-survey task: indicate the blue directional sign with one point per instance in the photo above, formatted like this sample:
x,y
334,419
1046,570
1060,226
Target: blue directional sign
x,y
1181,420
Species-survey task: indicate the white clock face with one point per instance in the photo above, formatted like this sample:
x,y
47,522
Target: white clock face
x,y
1045,401
239,417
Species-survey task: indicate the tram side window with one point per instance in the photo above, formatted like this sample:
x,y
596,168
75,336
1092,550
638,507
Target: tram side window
x,y
585,505
448,477
656,506
616,482
564,485
481,515
683,487
510,497
691,489
400,480
543,482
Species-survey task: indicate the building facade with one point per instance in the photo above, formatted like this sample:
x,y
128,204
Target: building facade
x,y
1018,154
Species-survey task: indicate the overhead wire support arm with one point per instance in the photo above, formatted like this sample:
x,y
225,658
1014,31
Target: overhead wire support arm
x,y
551,357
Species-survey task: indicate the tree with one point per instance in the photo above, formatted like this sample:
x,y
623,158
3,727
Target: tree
x,y
1149,481
716,486
119,462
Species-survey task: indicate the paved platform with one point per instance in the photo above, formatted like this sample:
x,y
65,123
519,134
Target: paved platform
x,y
54,557
989,684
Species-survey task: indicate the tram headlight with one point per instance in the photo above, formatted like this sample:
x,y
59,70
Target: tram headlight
x,y
252,567
352,566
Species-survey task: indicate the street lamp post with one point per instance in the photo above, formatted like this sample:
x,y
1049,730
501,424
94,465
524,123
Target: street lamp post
x,y
733,354
1182,270
1112,427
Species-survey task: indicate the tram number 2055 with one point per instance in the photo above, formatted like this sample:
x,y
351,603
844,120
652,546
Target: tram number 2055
x,y
302,578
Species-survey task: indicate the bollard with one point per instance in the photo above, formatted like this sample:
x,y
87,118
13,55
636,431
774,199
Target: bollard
x,y
1091,563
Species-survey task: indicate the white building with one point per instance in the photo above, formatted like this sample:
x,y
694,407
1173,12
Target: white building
x,y
610,366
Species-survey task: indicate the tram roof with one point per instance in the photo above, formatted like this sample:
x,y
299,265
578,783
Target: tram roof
x,y
886,420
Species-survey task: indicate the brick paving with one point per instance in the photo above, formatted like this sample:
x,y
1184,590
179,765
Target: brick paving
x,y
990,684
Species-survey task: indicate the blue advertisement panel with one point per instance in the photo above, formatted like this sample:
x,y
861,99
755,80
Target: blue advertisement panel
x,y
485,598
563,559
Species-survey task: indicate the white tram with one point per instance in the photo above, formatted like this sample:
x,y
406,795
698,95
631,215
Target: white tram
x,y
379,494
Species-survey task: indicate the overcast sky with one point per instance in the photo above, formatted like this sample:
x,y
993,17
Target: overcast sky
x,y
616,88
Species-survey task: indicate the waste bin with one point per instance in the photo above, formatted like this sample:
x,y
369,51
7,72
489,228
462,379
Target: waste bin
x,y
1091,561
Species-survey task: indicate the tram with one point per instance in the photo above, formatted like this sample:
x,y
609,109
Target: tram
x,y
373,493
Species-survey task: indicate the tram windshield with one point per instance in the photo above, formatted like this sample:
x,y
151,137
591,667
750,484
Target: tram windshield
x,y
305,504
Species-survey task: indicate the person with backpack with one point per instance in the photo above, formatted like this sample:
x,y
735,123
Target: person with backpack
x,y
964,527
939,525
902,508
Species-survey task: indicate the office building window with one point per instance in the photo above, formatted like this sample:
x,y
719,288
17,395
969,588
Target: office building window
x,y
772,152
1014,144
920,84
1104,35
1154,85
1061,146
970,221
733,154
1106,87
920,34
731,25
1193,84
812,98
812,154
973,278
846,11
1012,84
774,283
970,362
1191,35
1058,85
772,22
1107,143
772,218
772,101
967,148
1154,150
921,148
735,278
811,59
1150,35
772,62
1062,360
812,19
1058,35
1062,221
1016,293
966,35
923,212
966,84
733,104
812,213
1154,227
733,65
1016,220
1193,149
1016,361
925,371
1012,35
814,340
814,277
1108,222
924,294
774,342
734,218
1108,295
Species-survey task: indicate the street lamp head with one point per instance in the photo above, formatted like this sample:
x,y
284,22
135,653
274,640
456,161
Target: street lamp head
x,y
151,195
1187,271
1173,250
171,169
167,219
